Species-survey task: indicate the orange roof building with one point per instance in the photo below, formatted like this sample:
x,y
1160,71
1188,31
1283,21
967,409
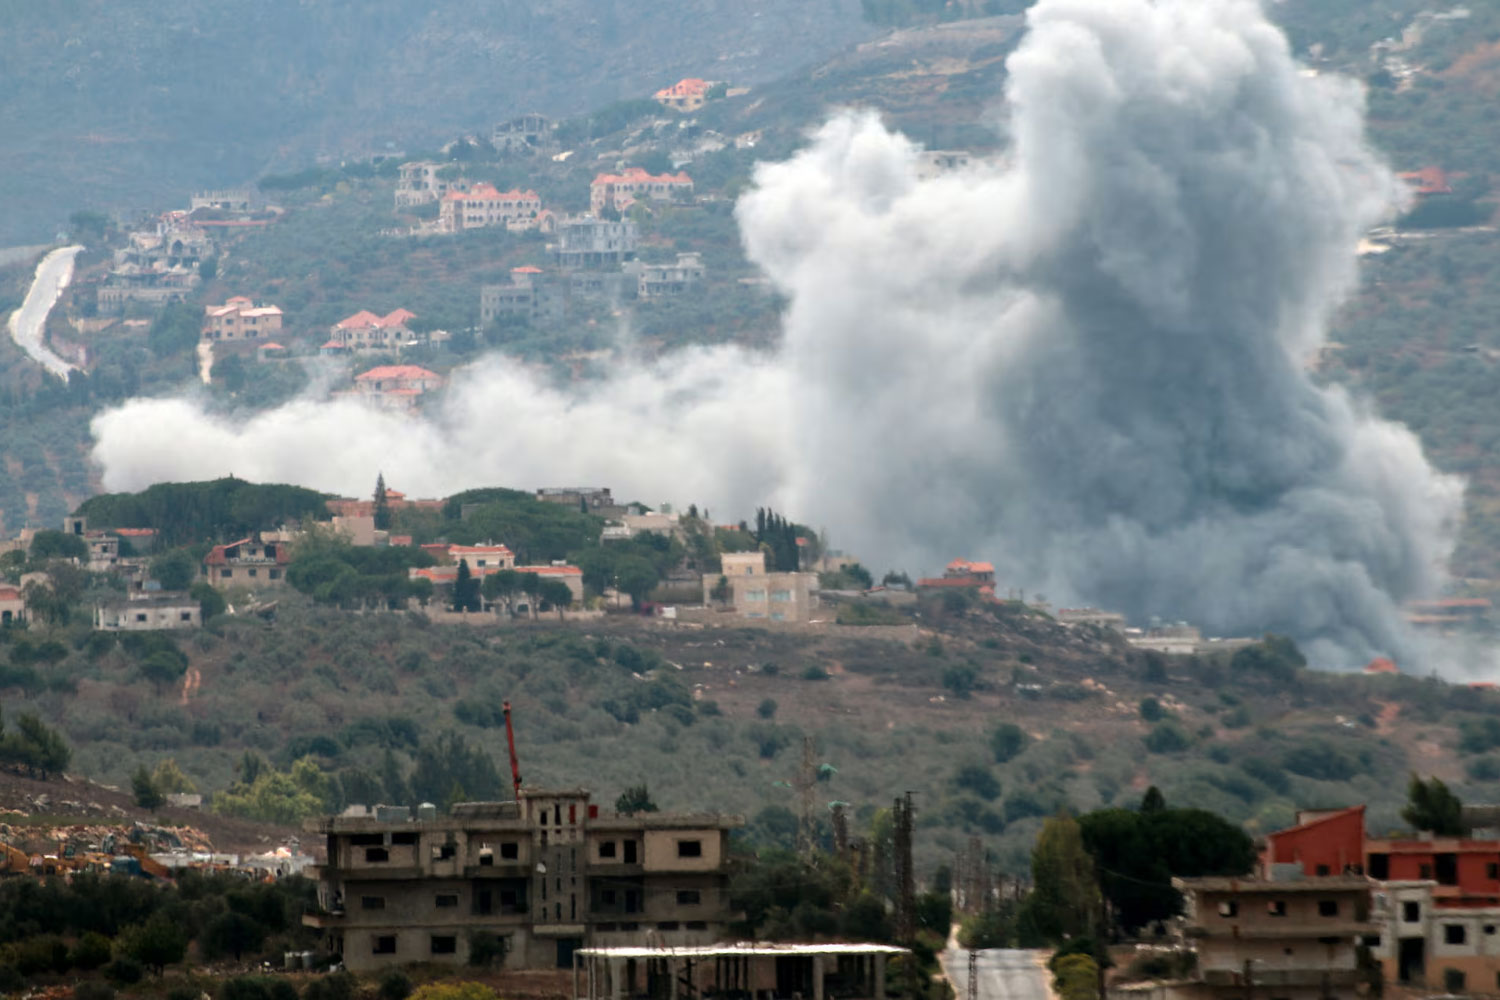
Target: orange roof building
x,y
365,331
1428,180
620,191
687,94
483,205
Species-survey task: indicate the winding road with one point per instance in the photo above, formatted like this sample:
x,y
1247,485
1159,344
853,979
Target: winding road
x,y
28,323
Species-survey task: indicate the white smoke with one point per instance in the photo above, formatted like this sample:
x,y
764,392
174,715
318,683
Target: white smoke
x,y
1084,364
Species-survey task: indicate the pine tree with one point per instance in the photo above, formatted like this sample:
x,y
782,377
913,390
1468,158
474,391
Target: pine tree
x,y
382,505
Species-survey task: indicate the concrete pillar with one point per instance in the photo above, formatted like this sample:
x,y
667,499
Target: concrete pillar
x,y
879,977
616,978
817,977
672,976
592,994
575,976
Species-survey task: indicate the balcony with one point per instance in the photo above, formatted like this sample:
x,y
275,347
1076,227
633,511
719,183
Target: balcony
x,y
1311,976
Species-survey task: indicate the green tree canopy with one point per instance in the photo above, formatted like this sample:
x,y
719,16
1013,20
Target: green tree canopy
x,y
1430,806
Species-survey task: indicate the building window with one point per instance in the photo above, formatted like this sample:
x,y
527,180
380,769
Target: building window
x,y
695,925
1455,934
186,616
252,571
690,848
385,944
1453,980
1492,870
1489,928
405,839
667,925
372,902
1328,907
274,574
688,897
1411,912
607,897
510,850
444,944
629,847
1322,870
607,849
444,852
1380,867
140,617
447,900
376,855
781,595
1229,908
1276,908
224,574
1424,871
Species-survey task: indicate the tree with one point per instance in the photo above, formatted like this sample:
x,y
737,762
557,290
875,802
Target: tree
x,y
1007,741
58,545
232,933
211,603
766,709
465,589
169,779
502,585
555,593
1431,807
635,799
156,944
147,795
382,505
1065,900
34,748
162,668
453,991
977,778
636,577
1076,977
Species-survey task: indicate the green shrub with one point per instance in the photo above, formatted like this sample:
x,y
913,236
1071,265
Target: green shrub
x,y
815,673
766,709
1151,710
90,952
1167,737
977,779
1007,740
124,971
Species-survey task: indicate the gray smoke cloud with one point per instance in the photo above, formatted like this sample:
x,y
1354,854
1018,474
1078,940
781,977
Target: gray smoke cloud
x,y
1084,362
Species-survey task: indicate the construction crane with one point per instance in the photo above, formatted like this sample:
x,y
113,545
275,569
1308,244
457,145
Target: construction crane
x,y
515,766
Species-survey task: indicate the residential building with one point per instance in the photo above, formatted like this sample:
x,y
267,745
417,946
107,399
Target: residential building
x,y
1428,181
588,241
936,162
611,286
748,969
544,876
396,387
1091,616
651,523
224,200
531,294
1289,940
1437,899
240,319
620,191
657,280
149,612
13,609
157,265
421,181
248,562
756,594
365,331
570,575
685,95
589,499
394,500
482,205
488,557
528,133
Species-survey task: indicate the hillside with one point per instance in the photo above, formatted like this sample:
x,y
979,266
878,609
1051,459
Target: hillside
x,y
132,103
612,703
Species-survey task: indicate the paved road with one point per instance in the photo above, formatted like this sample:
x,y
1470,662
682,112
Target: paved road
x,y
27,323
1004,974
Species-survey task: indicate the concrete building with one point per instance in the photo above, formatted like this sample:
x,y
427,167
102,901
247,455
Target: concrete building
x,y
531,294
240,319
1091,616
157,265
1284,940
224,200
658,280
247,563
528,133
590,499
483,205
620,191
148,612
543,877
749,969
588,241
757,595
419,182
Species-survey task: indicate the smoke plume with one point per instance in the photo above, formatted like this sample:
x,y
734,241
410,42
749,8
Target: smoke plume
x,y
1084,362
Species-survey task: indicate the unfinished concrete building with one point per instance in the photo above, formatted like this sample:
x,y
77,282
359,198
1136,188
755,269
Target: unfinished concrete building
x,y
536,879
751,970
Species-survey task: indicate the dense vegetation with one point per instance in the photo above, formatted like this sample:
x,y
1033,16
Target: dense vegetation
x,y
221,510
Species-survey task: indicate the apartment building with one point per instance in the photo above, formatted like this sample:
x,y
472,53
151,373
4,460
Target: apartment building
x,y
248,562
588,241
420,181
540,877
1295,939
620,191
531,294
757,595
240,319
484,205
658,280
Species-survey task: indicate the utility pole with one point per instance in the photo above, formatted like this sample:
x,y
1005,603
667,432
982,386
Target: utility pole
x,y
973,990
906,898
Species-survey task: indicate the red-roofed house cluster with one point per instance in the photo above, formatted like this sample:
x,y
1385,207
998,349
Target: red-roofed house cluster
x,y
483,205
396,387
365,331
961,574
487,559
620,191
240,319
687,94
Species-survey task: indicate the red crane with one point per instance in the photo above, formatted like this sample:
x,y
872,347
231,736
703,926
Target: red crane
x,y
515,766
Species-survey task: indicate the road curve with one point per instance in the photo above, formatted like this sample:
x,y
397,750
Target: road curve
x,y
28,323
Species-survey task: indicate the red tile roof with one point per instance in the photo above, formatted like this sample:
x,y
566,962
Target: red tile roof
x,y
1381,665
397,372
135,532
1428,180
272,346
551,570
9,594
687,87
364,318
526,269
638,175
488,192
